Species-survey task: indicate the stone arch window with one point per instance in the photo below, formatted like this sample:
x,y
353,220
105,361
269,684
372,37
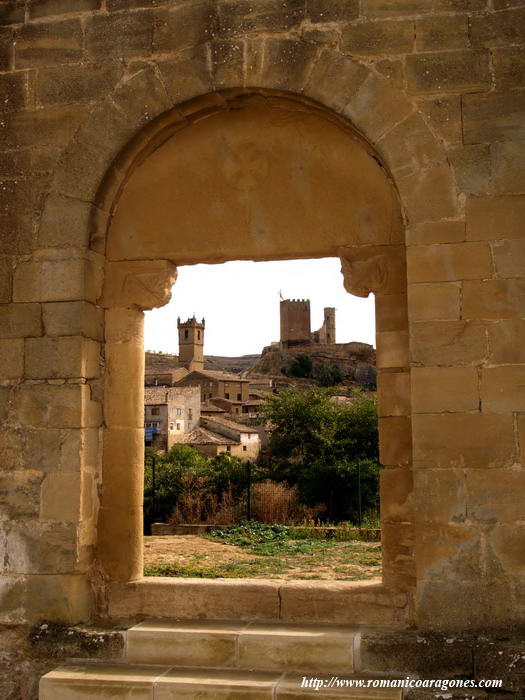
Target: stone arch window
x,y
299,182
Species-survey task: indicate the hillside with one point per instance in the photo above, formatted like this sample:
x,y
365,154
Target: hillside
x,y
163,361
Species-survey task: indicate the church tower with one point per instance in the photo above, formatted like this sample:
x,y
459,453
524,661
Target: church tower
x,y
191,343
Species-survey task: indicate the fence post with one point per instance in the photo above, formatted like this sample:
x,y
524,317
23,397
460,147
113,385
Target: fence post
x,y
249,491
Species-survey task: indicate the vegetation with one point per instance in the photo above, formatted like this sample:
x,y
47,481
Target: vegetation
x,y
329,451
280,552
300,367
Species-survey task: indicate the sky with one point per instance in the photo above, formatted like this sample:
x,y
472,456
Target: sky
x,y
240,302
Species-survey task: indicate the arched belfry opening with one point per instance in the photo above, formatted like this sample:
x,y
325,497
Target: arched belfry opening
x,y
246,176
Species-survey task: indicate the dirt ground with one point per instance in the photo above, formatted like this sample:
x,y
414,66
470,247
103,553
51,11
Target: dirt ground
x,y
190,555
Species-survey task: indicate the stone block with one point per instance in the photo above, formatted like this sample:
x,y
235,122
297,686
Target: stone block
x,y
335,79
20,494
153,99
186,77
391,312
507,341
410,147
237,17
73,318
20,320
443,114
442,33
395,441
11,358
55,278
495,496
508,166
503,389
65,222
393,70
48,43
498,28
451,551
431,232
448,262
491,218
119,35
39,547
393,393
56,406
472,167
397,8
60,497
183,26
495,116
434,302
378,92
445,440
14,91
12,12
62,357
396,495
430,195
286,64
397,539
408,652
78,83
440,495
375,38
123,467
509,68
450,71
227,63
452,343
509,257
319,11
48,127
392,349
6,279
48,8
506,542
493,299
450,389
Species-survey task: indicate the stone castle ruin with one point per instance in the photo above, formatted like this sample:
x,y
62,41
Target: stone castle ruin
x,y
136,136
296,324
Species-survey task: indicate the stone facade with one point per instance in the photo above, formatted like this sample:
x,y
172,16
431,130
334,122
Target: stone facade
x,y
170,413
191,344
406,119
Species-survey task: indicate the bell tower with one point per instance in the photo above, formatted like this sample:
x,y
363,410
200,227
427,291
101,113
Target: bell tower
x,y
191,343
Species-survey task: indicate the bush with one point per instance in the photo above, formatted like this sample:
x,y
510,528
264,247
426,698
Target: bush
x,y
300,367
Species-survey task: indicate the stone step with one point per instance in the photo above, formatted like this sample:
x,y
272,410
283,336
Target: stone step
x,y
98,681
271,646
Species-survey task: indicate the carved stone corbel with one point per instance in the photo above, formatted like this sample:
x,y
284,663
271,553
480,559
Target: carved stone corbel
x,y
377,269
142,284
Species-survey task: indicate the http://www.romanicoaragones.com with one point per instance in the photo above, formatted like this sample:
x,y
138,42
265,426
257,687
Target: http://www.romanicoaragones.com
x,y
333,682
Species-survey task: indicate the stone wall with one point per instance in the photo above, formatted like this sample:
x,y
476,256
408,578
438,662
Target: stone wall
x,y
437,90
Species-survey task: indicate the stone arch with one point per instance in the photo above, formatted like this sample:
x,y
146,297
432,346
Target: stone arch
x,y
157,100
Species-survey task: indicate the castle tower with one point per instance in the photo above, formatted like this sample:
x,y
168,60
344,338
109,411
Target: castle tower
x,y
295,322
329,325
191,343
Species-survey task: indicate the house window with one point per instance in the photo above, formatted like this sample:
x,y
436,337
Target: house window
x,y
244,448
155,411
190,414
228,448
210,395
186,334
178,426
198,335
179,411
172,426
239,397
226,396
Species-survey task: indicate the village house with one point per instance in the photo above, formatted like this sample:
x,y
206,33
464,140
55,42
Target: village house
x,y
169,414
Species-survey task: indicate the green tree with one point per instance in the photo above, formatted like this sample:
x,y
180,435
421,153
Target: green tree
x,y
300,367
329,450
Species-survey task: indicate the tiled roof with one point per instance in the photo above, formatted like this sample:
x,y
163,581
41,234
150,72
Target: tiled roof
x,y
220,420
211,408
201,436
216,374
